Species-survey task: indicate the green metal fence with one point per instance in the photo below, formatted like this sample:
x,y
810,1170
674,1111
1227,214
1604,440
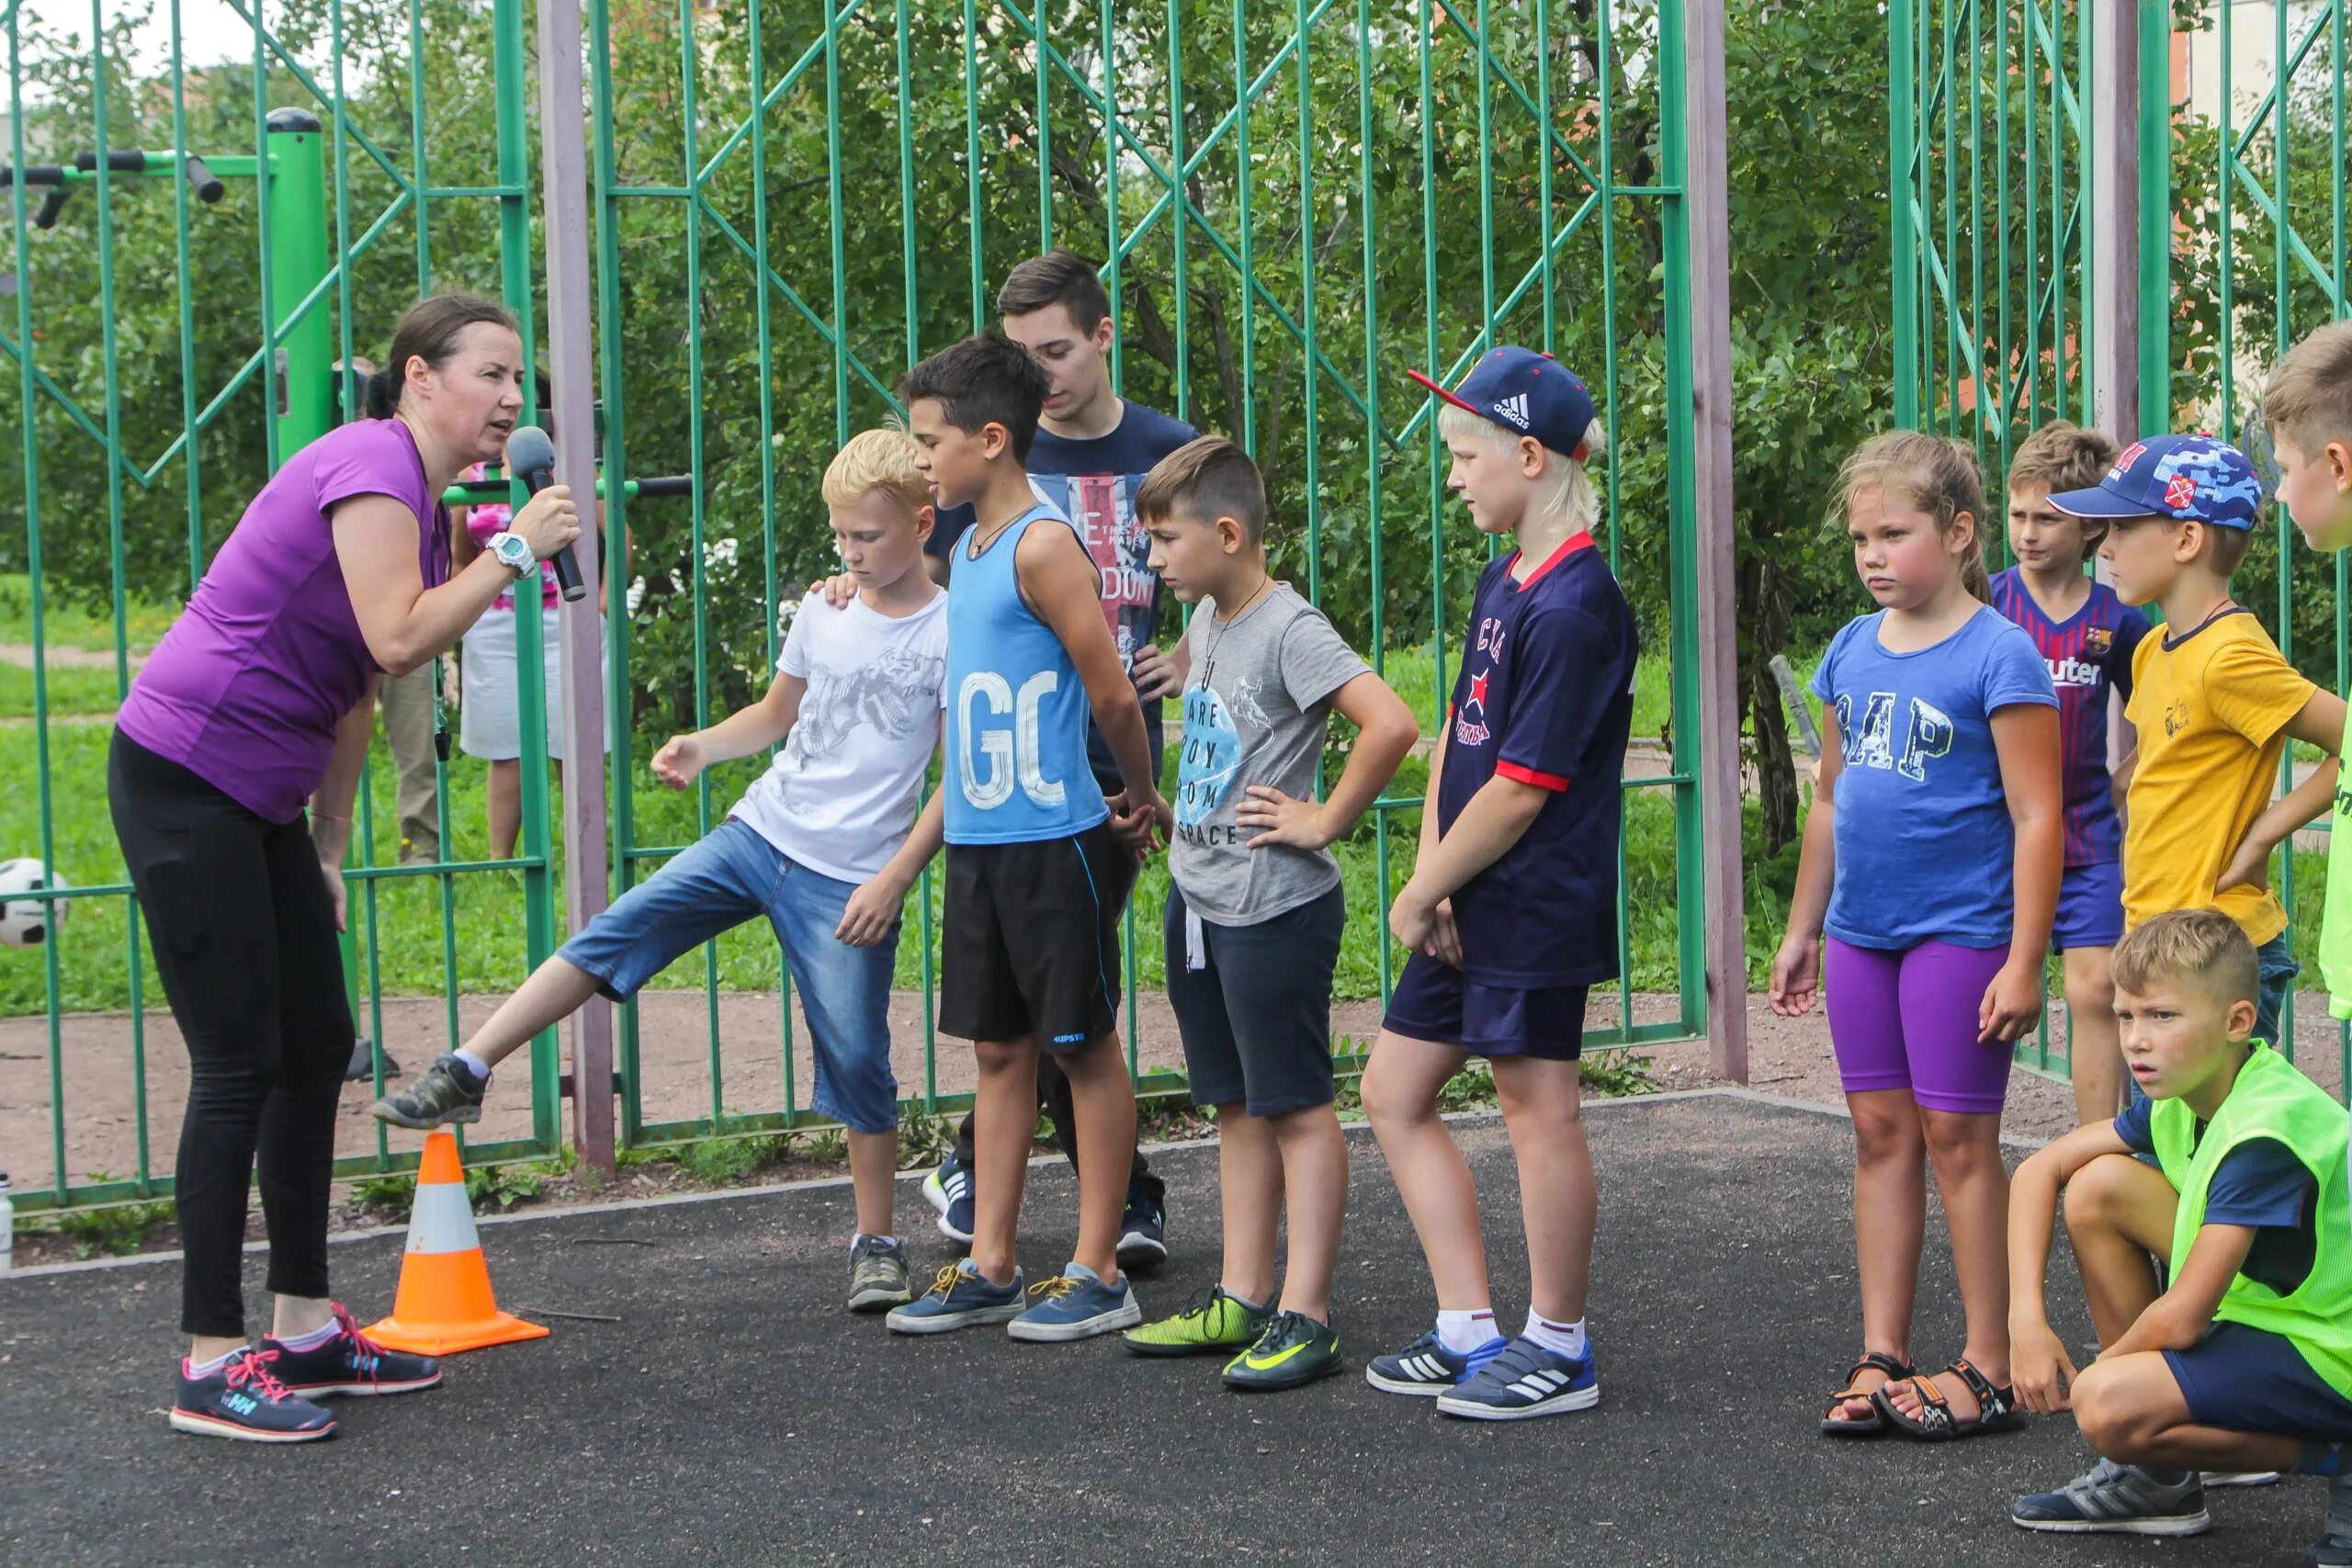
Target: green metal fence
x,y
2216,135
793,202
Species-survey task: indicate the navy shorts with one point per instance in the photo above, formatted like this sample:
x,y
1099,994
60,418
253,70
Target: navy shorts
x,y
1256,1017
1435,1001
2090,907
2248,1380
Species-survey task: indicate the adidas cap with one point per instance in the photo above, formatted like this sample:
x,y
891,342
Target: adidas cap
x,y
1528,394
2191,478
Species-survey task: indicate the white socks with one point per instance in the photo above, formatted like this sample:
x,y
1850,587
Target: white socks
x,y
1463,1332
206,1369
868,1235
1561,1339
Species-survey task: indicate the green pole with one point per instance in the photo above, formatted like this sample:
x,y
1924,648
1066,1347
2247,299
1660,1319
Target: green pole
x,y
294,192
1904,241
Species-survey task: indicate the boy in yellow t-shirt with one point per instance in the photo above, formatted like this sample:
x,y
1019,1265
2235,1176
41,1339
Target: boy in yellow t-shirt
x,y
2212,699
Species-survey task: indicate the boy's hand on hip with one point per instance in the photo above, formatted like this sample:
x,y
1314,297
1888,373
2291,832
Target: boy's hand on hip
x,y
1282,820
873,909
2012,1003
2250,867
678,762
1154,675
1796,976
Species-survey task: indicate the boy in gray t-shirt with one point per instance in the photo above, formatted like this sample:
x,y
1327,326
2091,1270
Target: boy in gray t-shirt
x,y
1254,920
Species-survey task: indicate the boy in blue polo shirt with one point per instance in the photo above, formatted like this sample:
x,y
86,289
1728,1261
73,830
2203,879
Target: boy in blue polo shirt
x,y
1512,911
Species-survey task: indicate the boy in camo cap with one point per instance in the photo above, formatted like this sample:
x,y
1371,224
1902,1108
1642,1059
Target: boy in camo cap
x,y
2213,700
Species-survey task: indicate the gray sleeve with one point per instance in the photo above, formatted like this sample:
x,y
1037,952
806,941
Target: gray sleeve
x,y
1316,660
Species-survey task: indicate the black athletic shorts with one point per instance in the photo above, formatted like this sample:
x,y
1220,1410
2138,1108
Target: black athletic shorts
x,y
1032,939
1256,1016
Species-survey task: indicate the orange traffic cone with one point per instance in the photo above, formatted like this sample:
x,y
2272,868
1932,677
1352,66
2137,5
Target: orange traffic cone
x,y
445,1303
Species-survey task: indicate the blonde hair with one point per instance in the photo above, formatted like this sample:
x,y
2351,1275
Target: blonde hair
x,y
1572,496
1937,476
2200,947
877,459
2310,398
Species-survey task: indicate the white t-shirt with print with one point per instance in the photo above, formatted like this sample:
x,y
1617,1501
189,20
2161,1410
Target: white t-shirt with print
x,y
842,793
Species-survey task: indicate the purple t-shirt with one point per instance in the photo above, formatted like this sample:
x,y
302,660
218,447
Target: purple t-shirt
x,y
246,688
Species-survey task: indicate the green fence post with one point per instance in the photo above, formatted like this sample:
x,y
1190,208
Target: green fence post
x,y
1903,236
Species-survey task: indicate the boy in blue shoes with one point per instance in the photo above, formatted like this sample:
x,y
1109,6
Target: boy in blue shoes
x,y
1512,910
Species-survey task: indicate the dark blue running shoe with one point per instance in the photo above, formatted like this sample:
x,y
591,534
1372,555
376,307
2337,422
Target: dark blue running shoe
x,y
245,1400
350,1363
949,1191
1427,1367
1525,1380
1143,1230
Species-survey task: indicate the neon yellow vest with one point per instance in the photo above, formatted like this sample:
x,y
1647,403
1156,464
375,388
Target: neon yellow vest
x,y
2272,1100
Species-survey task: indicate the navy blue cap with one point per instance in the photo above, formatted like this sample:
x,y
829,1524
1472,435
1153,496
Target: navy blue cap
x,y
1527,393
2191,478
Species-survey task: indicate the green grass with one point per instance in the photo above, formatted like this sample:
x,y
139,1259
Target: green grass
x,y
62,626
1411,672
401,918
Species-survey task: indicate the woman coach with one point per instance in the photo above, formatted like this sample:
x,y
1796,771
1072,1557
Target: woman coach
x,y
260,699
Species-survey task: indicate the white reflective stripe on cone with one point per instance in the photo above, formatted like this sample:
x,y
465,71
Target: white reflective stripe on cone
x,y
442,1219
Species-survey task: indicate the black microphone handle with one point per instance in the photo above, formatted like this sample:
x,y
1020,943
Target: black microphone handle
x,y
567,565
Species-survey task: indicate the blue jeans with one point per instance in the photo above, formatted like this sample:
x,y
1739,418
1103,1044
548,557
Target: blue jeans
x,y
735,875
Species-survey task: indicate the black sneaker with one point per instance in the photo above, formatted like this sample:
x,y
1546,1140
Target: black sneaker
x,y
445,1094
1143,1230
1293,1351
349,1362
245,1400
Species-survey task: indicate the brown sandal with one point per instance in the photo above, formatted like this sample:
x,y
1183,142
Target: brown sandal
x,y
1996,1409
1874,1423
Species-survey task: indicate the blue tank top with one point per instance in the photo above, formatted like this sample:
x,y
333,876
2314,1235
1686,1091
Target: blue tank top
x,y
1016,711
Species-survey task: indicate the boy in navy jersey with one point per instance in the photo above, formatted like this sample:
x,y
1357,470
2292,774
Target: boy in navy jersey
x,y
2087,637
1511,912
1036,872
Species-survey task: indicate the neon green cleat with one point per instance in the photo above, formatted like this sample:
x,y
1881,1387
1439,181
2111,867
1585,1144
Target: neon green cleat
x,y
1294,1350
1212,1321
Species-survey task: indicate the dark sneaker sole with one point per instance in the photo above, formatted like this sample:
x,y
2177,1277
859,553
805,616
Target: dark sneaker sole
x,y
877,1300
1140,1252
1127,1316
215,1426
2197,1523
361,1390
1559,1405
384,1111
948,1323
1294,1375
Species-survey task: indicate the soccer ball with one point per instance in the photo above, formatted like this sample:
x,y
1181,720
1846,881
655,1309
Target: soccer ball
x,y
28,922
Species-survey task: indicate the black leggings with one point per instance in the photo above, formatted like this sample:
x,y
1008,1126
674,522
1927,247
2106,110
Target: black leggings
x,y
243,929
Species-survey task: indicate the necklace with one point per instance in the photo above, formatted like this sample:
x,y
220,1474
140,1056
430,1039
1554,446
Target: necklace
x,y
1223,624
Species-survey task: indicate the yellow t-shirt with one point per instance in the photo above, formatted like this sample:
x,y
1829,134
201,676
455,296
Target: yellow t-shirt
x,y
2212,710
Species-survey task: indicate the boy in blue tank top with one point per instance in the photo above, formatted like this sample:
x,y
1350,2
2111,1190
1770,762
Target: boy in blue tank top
x,y
1037,870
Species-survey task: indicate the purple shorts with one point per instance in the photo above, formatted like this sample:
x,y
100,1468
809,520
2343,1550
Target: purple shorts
x,y
2090,907
1907,1020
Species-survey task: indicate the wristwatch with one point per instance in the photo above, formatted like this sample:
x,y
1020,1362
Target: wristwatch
x,y
514,552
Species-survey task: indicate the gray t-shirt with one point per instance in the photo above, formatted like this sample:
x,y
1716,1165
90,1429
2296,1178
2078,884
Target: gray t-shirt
x,y
1254,709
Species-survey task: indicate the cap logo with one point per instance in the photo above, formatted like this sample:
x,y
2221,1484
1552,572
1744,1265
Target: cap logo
x,y
2131,455
2181,492
1514,409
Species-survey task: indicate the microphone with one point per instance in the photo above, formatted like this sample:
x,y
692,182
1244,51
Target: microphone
x,y
530,457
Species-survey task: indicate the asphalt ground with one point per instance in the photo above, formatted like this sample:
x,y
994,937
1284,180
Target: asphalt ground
x,y
735,1415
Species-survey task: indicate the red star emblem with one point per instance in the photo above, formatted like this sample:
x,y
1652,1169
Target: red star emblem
x,y
1478,688
2181,491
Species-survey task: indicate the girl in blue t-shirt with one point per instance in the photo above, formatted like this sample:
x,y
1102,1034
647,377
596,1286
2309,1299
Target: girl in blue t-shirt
x,y
1931,860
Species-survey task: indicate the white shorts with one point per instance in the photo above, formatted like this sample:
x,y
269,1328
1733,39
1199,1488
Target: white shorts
x,y
489,720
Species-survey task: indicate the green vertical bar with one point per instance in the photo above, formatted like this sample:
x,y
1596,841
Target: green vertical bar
x,y
1113,264
1486,188
1044,129
1429,303
1245,180
1307,368
1375,437
840,255
768,580
1904,237
1681,463
972,164
188,428
417,122
1543,161
1182,288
